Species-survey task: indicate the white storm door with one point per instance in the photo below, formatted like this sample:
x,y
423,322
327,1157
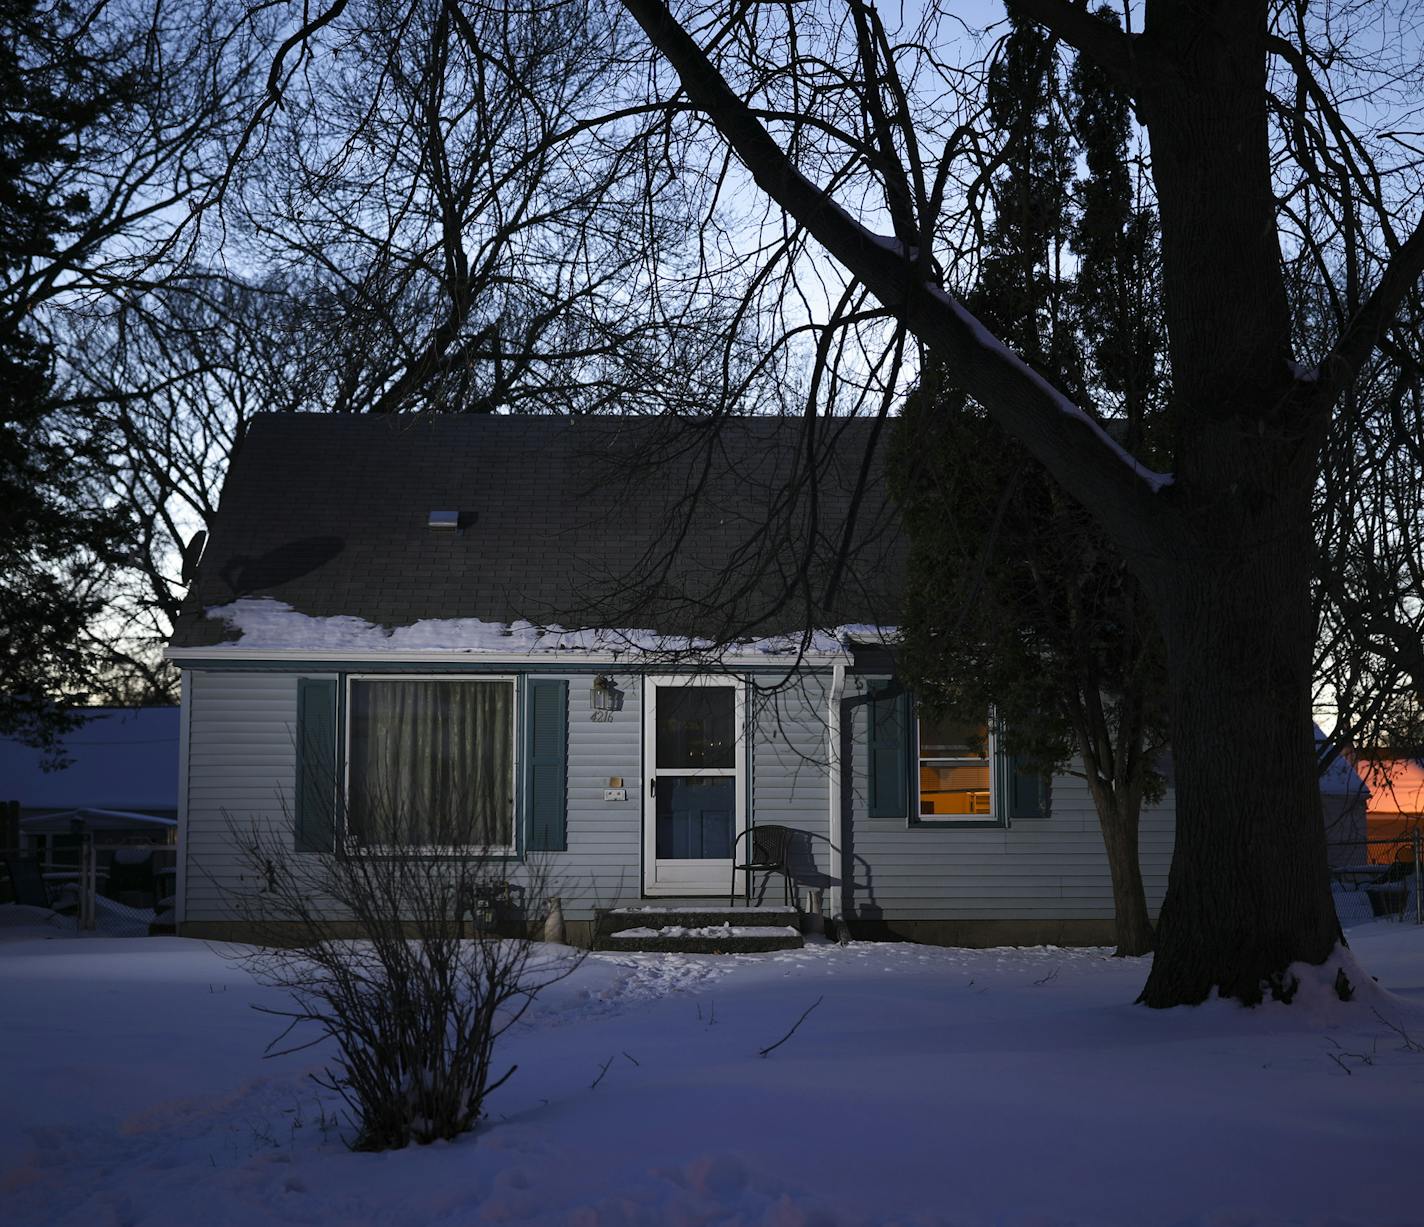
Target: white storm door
x,y
694,805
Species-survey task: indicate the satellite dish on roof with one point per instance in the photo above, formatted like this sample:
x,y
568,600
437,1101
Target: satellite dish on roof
x,y
192,553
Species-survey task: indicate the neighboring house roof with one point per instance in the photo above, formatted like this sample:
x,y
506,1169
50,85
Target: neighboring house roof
x,y
1396,786
121,759
577,522
62,822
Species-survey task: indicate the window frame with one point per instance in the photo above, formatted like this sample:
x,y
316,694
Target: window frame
x,y
510,850
998,815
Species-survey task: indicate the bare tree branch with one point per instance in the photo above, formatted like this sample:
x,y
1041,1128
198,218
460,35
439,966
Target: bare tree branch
x,y
1107,46
1061,436
1361,335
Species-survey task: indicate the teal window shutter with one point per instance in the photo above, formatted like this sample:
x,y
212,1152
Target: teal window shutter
x,y
316,764
889,757
1027,791
546,758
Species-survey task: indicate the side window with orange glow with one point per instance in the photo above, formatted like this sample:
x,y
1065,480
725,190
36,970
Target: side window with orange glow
x,y
954,771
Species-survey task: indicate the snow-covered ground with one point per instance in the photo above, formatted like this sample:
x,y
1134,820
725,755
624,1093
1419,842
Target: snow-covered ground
x,y
929,1086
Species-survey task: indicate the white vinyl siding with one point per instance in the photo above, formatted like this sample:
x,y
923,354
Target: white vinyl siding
x,y
789,778
241,770
241,767
1052,868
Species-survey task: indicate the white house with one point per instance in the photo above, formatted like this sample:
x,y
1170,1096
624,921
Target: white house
x,y
381,595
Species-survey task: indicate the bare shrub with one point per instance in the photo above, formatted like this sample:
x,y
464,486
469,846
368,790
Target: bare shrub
x,y
412,953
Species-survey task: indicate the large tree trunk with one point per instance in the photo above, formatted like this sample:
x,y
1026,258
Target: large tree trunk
x,y
1248,892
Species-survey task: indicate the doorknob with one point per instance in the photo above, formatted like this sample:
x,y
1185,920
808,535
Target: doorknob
x,y
653,787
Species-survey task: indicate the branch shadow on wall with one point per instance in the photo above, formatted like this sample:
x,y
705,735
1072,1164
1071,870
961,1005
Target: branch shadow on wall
x,y
805,855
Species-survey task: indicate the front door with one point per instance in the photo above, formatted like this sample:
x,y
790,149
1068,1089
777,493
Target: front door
x,y
695,803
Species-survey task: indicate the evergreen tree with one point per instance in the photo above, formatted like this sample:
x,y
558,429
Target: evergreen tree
x,y
1022,292
53,528
1117,292
1016,600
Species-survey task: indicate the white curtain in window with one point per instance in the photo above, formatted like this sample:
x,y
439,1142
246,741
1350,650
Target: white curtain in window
x,y
432,763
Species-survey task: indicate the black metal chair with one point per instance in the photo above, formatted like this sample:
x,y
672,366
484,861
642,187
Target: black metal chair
x,y
27,882
770,853
131,879
1389,893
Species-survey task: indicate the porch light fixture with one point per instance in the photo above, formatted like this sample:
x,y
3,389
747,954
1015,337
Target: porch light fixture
x,y
605,695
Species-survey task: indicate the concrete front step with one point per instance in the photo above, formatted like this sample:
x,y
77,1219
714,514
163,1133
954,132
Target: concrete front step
x,y
698,930
691,916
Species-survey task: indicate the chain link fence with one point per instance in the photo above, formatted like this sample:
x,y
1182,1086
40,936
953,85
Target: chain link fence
x,y
1379,879
111,890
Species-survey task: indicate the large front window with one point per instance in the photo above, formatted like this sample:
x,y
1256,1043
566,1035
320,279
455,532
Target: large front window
x,y
954,774
430,763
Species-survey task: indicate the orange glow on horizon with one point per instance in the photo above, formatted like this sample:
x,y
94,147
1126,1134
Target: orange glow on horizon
x,y
1394,810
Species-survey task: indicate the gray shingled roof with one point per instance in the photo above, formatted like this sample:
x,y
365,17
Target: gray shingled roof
x,y
584,522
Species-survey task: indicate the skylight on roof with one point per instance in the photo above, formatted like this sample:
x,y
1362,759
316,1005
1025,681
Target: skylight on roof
x,y
444,519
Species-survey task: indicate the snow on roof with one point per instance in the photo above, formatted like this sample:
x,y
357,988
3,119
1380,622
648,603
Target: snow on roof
x,y
62,821
582,521
264,624
1339,779
122,759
